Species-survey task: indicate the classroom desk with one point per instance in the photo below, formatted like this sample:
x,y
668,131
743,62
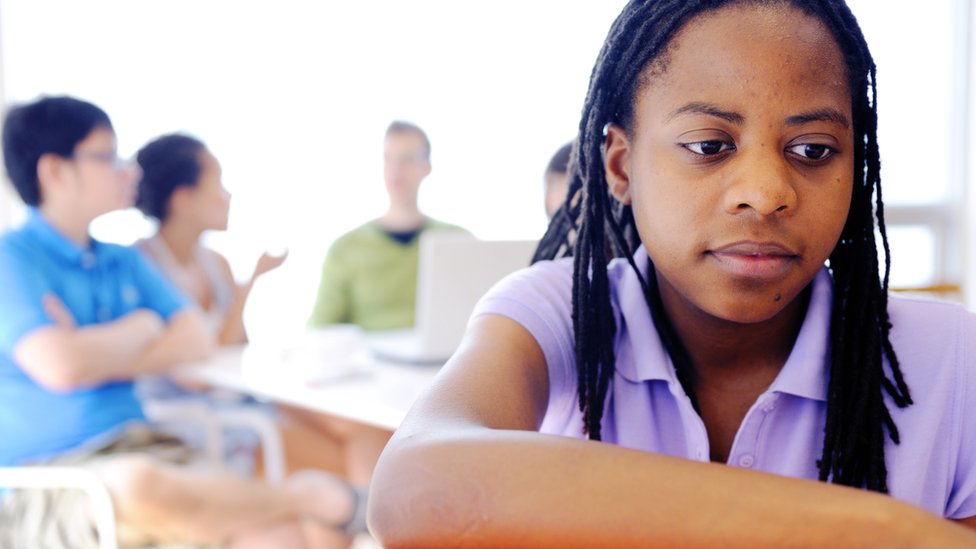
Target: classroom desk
x,y
327,371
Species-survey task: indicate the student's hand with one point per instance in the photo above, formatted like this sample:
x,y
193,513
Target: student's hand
x,y
59,314
268,262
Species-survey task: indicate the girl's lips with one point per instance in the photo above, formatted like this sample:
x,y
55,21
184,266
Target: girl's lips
x,y
748,247
764,261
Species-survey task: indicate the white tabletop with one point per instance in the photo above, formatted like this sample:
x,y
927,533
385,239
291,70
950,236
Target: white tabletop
x,y
328,371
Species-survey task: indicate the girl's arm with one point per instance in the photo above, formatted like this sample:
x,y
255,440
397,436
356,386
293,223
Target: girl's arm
x,y
232,329
467,467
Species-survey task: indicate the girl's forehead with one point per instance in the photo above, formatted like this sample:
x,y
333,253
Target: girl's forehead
x,y
752,50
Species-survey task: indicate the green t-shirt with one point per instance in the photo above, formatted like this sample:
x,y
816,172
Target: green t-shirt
x,y
369,279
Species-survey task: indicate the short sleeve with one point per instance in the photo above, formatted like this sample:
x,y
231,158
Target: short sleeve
x,y
157,293
539,298
22,288
332,301
962,498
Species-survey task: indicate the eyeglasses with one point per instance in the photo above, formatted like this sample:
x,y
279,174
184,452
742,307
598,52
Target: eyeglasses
x,y
109,158
405,160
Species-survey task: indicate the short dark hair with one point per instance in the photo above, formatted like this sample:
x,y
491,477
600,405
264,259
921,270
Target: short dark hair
x,y
168,163
559,163
399,126
49,125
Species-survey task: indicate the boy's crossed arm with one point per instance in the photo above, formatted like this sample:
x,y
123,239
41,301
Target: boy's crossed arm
x,y
64,356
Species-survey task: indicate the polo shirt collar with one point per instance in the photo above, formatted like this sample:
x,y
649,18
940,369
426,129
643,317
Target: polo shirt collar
x,y
643,358
55,243
805,372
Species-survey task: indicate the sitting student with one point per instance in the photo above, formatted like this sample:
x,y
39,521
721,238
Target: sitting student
x,y
727,151
557,179
369,277
181,188
81,319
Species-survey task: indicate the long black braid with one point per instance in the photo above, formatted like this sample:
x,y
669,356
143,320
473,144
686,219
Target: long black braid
x,y
592,227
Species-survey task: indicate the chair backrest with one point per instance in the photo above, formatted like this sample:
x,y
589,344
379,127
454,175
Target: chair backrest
x,y
53,478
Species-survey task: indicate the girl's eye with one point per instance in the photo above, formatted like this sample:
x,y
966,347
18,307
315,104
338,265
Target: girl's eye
x,y
708,148
811,151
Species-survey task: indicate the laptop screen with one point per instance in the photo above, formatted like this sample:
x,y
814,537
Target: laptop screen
x,y
455,270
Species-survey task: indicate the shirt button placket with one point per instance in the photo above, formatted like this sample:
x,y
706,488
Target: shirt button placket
x,y
748,440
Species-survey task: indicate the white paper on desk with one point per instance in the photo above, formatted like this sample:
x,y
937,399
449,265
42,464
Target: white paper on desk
x,y
319,356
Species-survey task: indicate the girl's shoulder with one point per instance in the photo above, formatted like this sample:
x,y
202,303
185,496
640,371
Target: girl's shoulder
x,y
547,286
936,461
549,280
928,327
935,344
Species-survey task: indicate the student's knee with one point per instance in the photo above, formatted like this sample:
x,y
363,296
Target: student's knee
x,y
138,483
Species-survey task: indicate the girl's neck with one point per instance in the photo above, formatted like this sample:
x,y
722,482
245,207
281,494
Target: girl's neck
x,y
182,241
731,354
402,218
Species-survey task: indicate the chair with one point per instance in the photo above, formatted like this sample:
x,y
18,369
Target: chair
x,y
213,422
45,477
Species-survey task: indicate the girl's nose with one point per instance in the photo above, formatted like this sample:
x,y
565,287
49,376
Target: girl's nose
x,y
762,183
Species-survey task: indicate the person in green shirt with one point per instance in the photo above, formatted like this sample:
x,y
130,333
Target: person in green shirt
x,y
369,276
369,279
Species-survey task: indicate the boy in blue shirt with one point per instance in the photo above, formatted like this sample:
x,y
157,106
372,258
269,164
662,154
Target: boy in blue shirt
x,y
80,319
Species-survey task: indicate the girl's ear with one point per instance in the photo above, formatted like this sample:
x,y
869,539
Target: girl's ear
x,y
616,163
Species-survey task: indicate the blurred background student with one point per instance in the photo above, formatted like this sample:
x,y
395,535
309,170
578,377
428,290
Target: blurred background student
x,y
369,277
369,280
557,179
181,188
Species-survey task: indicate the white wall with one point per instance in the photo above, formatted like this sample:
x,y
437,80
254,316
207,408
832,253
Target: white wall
x,y
293,97
969,202
6,199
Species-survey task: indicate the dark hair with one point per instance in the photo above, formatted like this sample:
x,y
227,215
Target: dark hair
x,y
857,417
49,125
167,163
399,126
559,163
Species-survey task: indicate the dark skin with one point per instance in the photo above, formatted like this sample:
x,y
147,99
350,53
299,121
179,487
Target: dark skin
x,y
758,150
725,395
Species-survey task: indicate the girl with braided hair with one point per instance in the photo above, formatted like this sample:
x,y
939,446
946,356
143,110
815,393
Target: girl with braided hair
x,y
739,345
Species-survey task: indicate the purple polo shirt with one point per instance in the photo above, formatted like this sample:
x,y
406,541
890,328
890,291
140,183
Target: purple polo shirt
x,y
934,467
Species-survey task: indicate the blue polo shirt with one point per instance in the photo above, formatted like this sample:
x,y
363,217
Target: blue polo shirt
x,y
99,284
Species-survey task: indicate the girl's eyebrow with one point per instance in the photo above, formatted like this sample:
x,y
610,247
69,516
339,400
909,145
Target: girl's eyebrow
x,y
825,114
709,109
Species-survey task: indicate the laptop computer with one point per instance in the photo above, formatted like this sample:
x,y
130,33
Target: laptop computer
x,y
454,271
